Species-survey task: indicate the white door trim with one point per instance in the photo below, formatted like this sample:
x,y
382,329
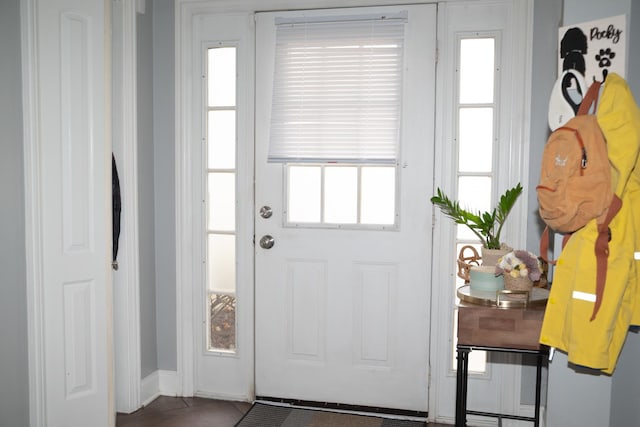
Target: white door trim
x,y
126,280
196,30
512,157
184,225
33,216
185,13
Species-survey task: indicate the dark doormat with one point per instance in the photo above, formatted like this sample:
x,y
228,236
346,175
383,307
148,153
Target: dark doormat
x,y
263,415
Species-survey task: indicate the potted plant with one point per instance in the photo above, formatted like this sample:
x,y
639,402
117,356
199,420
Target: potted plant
x,y
486,225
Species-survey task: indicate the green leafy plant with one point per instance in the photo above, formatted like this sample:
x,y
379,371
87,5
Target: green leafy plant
x,y
486,225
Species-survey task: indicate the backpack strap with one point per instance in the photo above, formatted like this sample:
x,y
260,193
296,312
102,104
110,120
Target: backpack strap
x,y
589,99
602,252
544,245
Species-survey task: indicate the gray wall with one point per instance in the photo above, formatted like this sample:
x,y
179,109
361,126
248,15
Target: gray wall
x,y
14,380
625,388
546,20
578,397
634,58
156,194
164,163
146,193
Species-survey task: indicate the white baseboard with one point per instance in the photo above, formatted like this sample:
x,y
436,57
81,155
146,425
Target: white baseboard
x,y
158,383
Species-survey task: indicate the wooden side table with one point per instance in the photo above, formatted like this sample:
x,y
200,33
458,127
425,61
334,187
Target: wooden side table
x,y
511,325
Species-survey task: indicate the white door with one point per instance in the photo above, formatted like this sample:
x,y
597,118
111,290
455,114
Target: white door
x,y
342,313
68,164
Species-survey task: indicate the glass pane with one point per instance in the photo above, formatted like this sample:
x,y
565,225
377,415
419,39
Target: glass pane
x,y
222,201
341,195
221,81
221,143
477,70
304,194
478,362
475,139
221,263
222,324
474,194
378,203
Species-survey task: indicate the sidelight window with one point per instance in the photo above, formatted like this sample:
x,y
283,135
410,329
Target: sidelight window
x,y
220,199
476,141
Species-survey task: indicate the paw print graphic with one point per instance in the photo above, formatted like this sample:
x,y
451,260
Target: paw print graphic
x,y
604,57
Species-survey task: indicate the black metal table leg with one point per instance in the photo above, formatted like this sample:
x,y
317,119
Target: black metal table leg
x,y
536,416
462,380
461,386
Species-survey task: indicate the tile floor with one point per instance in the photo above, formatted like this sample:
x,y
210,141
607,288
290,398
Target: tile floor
x,y
189,411
185,411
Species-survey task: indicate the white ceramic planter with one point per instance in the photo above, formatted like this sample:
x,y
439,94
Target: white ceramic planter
x,y
483,278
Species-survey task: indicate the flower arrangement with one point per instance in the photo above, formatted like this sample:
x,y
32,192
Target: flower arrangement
x,y
520,263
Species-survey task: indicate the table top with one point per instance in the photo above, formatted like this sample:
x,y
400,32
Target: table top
x,y
537,297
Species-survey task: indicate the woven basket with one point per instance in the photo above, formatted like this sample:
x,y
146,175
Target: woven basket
x,y
519,283
467,258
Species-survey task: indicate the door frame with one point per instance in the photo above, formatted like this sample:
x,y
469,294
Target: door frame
x,y
311,263
33,218
186,12
126,279
187,266
515,101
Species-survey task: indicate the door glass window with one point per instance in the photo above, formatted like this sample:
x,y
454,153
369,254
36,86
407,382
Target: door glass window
x,y
341,196
475,139
221,131
477,65
378,192
335,119
305,189
476,129
220,199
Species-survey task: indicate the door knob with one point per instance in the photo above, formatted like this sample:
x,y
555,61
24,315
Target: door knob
x,y
267,242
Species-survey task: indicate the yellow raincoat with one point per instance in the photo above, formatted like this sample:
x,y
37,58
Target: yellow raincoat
x,y
567,323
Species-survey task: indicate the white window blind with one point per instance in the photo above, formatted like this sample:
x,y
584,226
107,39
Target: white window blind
x,y
337,90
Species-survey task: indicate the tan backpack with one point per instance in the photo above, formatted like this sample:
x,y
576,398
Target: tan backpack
x,y
575,180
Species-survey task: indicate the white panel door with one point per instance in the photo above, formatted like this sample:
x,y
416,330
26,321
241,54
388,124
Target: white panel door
x,y
69,161
342,315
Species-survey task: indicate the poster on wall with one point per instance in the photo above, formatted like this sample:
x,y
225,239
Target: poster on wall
x,y
594,48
